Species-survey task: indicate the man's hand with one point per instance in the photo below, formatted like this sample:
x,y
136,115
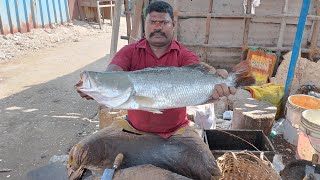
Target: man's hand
x,y
83,95
221,90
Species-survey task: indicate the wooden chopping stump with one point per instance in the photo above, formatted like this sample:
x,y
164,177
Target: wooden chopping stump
x,y
107,116
254,115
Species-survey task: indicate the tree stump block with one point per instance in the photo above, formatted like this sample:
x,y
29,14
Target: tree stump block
x,y
107,116
254,115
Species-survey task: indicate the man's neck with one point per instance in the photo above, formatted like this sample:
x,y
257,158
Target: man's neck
x,y
159,51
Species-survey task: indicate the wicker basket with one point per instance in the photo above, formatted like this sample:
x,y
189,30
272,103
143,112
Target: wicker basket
x,y
246,166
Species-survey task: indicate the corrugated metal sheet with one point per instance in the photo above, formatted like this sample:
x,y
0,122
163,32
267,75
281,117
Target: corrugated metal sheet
x,y
24,15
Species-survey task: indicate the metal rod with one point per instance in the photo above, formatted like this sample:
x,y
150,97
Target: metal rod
x,y
297,43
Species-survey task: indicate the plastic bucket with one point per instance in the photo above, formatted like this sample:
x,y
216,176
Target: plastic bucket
x,y
290,133
298,103
309,136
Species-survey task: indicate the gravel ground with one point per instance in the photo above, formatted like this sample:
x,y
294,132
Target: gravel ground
x,y
16,45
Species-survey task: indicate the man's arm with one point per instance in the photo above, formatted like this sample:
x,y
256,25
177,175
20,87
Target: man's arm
x,y
113,67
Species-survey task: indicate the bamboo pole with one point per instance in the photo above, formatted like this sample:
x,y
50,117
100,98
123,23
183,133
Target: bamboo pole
x,y
315,32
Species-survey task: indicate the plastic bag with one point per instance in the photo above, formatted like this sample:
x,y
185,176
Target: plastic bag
x,y
270,92
203,116
262,64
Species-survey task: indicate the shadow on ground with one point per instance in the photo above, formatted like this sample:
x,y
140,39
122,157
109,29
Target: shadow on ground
x,y
44,120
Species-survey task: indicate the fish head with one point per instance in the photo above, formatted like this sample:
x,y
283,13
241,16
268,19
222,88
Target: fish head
x,y
108,88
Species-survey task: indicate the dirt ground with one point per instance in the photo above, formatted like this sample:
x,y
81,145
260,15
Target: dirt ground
x,y
41,115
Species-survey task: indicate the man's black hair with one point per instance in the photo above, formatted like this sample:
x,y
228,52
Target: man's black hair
x,y
161,7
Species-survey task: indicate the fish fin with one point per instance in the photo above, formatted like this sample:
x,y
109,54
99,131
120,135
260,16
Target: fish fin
x,y
144,101
155,111
202,67
115,101
243,74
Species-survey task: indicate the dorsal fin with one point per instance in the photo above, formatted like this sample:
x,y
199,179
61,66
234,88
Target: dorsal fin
x,y
203,67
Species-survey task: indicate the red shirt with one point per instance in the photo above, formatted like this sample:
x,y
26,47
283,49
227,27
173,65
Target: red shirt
x,y
138,56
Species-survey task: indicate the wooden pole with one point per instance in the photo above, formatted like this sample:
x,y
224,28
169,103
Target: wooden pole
x,y
246,30
315,31
208,22
136,21
99,14
175,19
281,35
207,32
128,19
303,50
283,24
247,16
115,28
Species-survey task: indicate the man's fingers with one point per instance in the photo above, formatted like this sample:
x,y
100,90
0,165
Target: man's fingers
x,y
88,98
219,90
233,90
215,95
80,83
223,73
225,90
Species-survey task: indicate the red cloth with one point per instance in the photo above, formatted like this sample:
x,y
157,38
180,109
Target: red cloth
x,y
138,56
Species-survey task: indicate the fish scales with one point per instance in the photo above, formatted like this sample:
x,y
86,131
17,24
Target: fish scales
x,y
154,89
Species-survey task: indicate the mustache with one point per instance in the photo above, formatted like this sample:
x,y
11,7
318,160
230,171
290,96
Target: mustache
x,y
158,32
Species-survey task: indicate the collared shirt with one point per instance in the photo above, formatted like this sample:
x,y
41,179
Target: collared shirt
x,y
138,56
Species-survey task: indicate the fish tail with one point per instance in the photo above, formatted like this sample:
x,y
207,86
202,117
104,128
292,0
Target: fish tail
x,y
243,74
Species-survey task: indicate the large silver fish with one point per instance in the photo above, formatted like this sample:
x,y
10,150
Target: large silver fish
x,y
154,89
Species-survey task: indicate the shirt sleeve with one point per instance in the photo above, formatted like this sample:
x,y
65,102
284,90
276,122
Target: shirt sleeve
x,y
189,57
123,58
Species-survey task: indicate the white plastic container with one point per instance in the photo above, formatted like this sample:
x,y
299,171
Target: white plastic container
x,y
290,133
309,136
298,103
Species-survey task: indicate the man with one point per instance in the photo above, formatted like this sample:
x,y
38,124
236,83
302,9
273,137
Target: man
x,y
159,49
184,152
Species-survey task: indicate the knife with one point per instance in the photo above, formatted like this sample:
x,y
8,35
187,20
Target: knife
x,y
108,173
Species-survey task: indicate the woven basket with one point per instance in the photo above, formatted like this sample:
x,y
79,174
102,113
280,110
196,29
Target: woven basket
x,y
246,166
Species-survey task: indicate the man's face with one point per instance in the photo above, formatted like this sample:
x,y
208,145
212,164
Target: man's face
x,y
159,29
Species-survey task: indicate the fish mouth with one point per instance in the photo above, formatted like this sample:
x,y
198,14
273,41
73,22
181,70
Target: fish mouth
x,y
83,78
